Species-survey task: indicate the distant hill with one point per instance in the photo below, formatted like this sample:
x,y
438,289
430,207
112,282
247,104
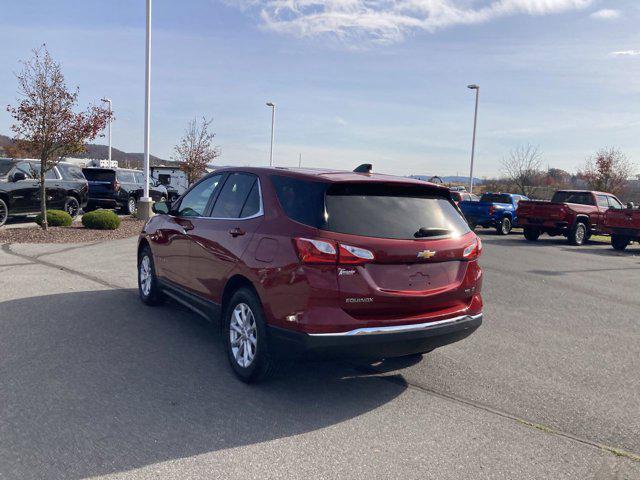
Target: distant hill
x,y
450,179
125,159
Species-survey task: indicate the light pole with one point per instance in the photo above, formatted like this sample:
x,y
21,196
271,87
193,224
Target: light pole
x,y
273,124
109,102
144,204
473,143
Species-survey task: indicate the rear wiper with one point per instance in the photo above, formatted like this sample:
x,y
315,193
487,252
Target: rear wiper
x,y
431,232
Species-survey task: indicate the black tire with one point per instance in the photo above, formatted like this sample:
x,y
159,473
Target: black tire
x,y
504,227
72,206
620,242
578,234
263,362
4,212
532,234
151,294
131,206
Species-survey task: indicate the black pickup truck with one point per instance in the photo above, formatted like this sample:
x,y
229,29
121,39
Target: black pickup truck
x,y
66,188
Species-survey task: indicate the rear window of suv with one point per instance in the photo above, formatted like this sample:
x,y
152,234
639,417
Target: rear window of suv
x,y
369,209
97,175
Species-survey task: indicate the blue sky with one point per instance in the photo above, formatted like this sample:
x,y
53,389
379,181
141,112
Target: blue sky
x,y
355,81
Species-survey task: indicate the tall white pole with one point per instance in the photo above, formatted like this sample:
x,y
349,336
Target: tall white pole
x,y
110,120
473,143
147,104
273,122
145,203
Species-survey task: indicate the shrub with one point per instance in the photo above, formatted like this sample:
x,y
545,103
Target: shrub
x,y
101,220
56,218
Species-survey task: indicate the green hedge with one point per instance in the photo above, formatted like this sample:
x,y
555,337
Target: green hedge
x,y
101,220
56,218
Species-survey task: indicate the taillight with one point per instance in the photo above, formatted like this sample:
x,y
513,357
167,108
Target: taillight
x,y
314,251
353,255
492,209
115,185
474,250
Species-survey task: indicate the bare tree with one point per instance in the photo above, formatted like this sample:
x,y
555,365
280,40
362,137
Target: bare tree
x,y
46,124
522,167
196,150
607,171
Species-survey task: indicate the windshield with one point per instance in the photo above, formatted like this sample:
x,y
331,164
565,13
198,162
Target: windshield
x,y
6,166
496,198
371,210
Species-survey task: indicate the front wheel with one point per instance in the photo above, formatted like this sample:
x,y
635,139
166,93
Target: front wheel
x,y
619,242
504,227
72,206
4,212
245,335
531,234
578,234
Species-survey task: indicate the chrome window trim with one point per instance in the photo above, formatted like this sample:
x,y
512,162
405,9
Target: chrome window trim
x,y
396,328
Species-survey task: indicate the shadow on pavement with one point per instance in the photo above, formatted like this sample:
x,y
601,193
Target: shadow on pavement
x,y
95,382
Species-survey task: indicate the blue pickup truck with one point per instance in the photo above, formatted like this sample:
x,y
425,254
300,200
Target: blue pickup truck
x,y
494,210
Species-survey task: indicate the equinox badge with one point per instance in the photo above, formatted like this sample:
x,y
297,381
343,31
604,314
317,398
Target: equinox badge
x,y
426,254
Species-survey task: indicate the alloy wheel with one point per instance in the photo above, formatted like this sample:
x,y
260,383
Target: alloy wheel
x,y
243,334
132,205
145,275
4,212
72,207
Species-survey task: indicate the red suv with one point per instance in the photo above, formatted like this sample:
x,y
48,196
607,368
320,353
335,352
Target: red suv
x,y
315,262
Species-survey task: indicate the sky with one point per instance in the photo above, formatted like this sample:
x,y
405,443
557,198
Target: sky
x,y
354,81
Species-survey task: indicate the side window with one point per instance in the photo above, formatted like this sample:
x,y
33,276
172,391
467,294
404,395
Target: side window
x,y
194,203
614,203
252,204
25,167
70,172
233,195
51,174
603,201
139,176
125,176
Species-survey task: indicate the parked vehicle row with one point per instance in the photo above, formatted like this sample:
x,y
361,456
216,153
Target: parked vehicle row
x,y
574,214
65,187
298,262
70,188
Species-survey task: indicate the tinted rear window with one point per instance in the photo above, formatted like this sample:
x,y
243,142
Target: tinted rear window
x,y
6,166
94,175
495,198
582,198
371,210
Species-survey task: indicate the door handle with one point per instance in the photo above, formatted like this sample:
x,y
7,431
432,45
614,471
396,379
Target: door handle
x,y
235,232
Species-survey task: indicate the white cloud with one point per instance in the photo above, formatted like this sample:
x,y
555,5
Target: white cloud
x,y
388,21
626,53
606,14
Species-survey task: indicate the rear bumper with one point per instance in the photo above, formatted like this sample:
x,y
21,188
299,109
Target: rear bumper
x,y
102,202
483,221
375,342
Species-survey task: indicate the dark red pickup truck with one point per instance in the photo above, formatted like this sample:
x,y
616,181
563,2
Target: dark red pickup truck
x,y
576,214
623,226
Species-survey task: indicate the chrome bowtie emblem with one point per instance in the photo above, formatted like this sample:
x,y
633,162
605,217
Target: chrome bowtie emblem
x,y
426,254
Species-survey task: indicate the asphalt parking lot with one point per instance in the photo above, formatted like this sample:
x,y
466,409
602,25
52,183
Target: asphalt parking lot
x,y
94,384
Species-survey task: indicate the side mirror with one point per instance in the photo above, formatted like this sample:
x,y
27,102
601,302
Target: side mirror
x,y
161,208
630,205
19,176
